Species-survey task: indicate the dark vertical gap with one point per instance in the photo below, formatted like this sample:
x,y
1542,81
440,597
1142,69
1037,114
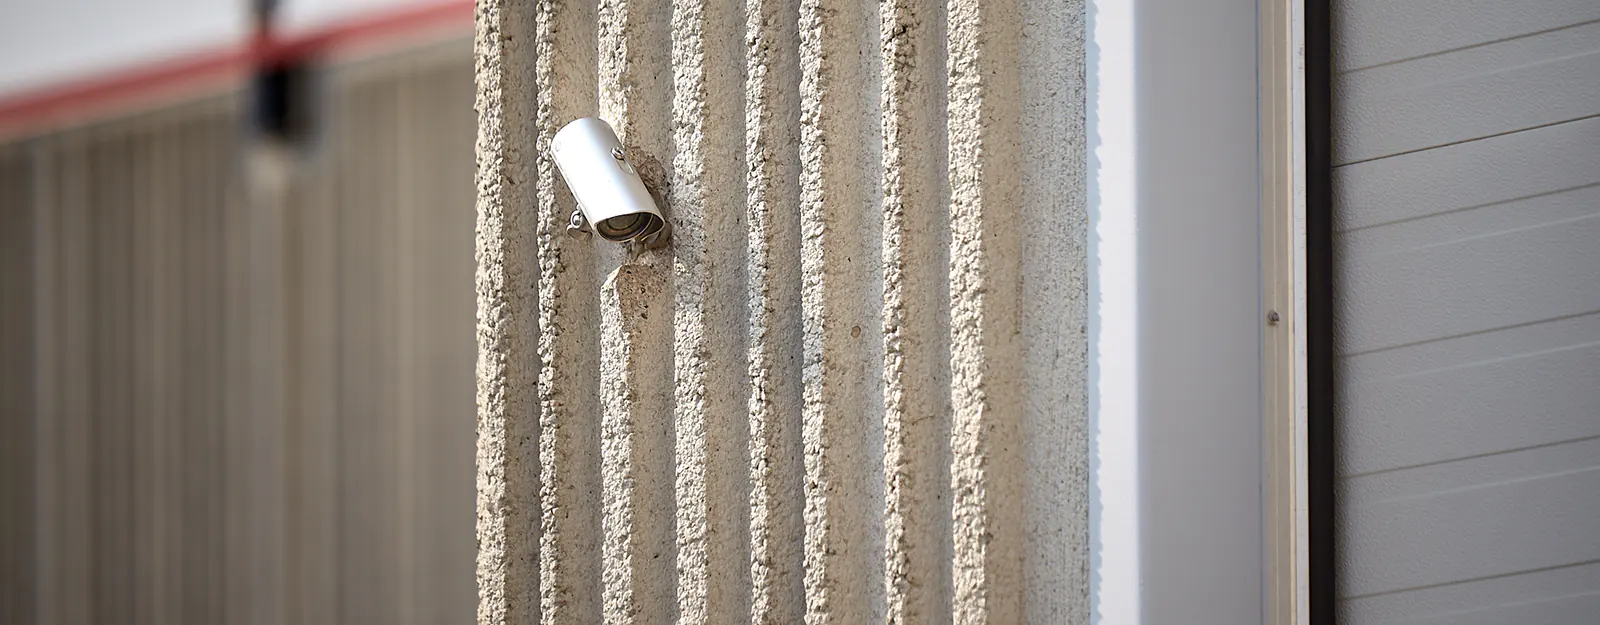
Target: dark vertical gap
x,y
18,209
1320,349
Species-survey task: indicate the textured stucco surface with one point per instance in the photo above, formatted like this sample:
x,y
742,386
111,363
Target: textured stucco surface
x,y
859,392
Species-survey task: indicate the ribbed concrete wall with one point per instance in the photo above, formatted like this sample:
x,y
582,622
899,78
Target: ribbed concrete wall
x,y
226,406
852,389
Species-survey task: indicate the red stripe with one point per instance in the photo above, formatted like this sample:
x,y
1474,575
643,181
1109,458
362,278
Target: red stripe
x,y
232,62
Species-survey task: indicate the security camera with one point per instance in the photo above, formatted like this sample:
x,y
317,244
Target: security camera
x,y
612,199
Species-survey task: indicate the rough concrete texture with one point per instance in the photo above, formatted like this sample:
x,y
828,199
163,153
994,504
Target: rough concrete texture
x,y
564,38
636,444
986,309
709,257
772,161
839,311
636,347
1054,314
873,373
508,465
916,377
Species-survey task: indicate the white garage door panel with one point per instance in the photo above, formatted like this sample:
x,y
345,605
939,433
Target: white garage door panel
x,y
1560,596
1561,206
1574,610
1467,311
1495,89
1489,516
1370,32
1472,285
1467,410
1467,175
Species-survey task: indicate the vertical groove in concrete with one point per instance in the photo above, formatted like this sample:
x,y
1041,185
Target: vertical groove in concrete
x,y
708,261
635,384
916,370
569,413
985,316
772,187
636,444
838,259
634,87
509,218
1054,319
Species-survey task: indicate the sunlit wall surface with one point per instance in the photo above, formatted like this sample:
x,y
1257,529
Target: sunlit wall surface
x,y
851,389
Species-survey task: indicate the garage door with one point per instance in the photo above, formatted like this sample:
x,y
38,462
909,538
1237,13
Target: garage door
x,y
1467,199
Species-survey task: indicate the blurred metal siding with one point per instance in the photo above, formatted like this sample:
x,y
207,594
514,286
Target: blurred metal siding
x,y
17,378
869,405
224,405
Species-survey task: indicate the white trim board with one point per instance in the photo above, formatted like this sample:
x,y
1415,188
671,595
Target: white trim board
x,y
1178,530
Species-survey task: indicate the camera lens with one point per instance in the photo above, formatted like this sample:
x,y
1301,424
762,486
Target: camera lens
x,y
623,227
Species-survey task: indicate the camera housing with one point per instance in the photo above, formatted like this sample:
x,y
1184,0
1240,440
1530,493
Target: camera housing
x,y
613,200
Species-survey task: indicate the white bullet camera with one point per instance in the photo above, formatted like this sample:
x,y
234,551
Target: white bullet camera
x,y
612,199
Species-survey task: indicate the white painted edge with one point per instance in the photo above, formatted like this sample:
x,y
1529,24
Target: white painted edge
x,y
1283,127
1113,318
1297,86
1115,550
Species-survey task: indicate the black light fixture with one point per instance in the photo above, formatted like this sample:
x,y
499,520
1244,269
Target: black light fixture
x,y
284,102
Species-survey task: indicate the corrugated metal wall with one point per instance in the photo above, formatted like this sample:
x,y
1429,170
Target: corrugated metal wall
x,y
224,404
853,388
